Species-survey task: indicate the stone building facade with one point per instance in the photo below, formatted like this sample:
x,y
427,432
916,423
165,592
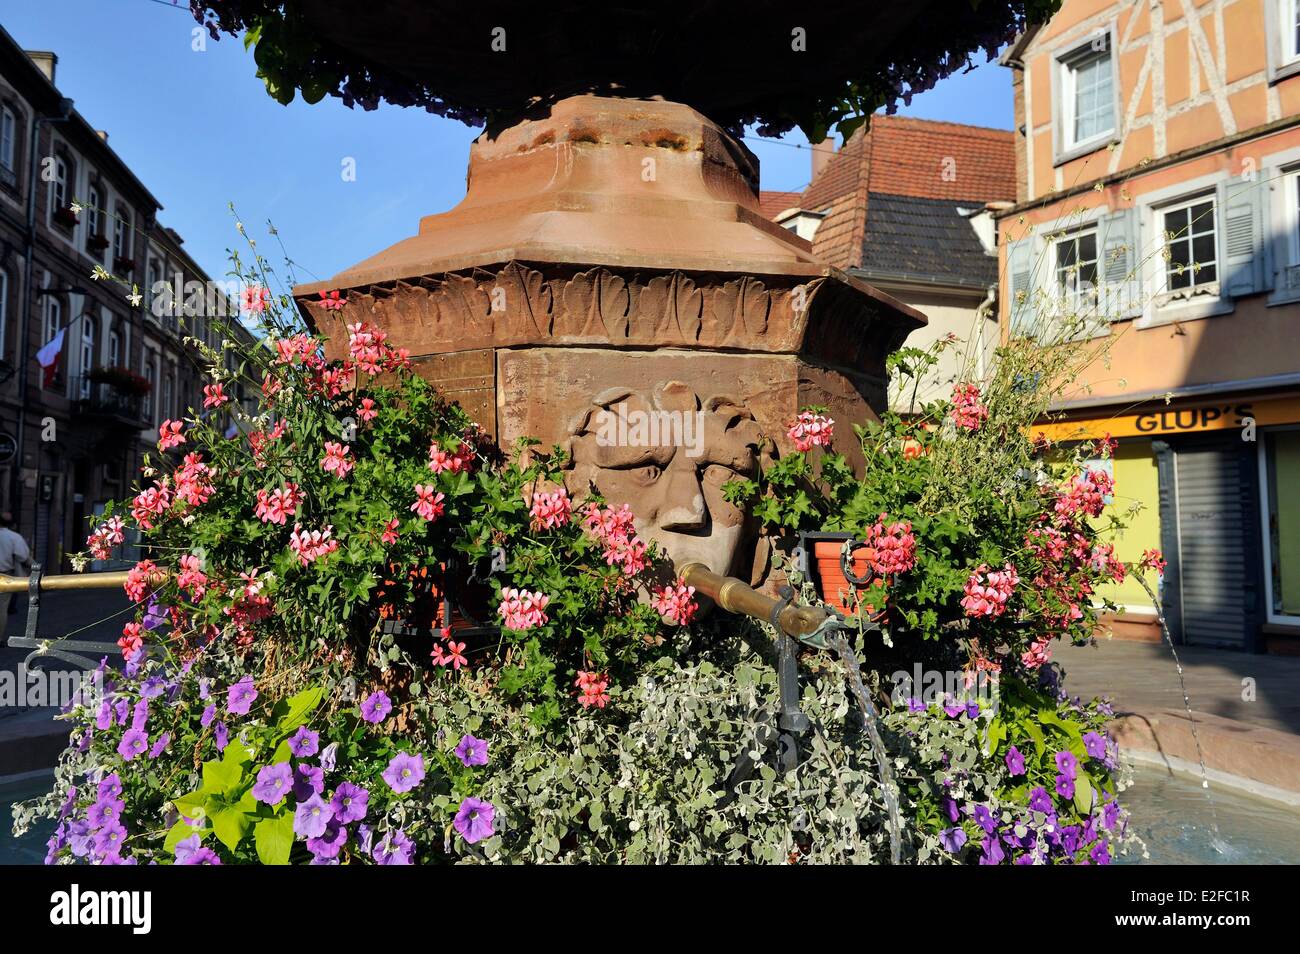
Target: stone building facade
x,y
122,368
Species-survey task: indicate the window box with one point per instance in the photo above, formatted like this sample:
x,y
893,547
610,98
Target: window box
x,y
65,217
97,244
123,265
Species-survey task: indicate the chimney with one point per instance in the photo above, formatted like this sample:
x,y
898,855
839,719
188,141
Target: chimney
x,y
102,134
45,62
822,152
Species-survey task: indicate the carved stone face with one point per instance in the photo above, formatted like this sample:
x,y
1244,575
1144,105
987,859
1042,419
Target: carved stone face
x,y
667,454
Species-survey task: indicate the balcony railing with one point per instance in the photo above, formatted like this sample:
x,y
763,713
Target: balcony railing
x,y
100,399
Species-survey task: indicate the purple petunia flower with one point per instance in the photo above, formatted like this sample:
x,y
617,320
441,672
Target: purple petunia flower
x,y
273,783
1039,800
308,780
1070,839
1067,764
350,802
952,840
186,847
404,772
134,742
984,818
241,696
154,615
1065,786
950,806
916,705
153,687
204,692
304,742
328,844
474,819
110,786
122,708
105,811
376,707
221,735
953,709
1100,852
972,710
104,717
1110,814
993,853
140,714
160,745
1015,761
209,714
329,757
1094,745
394,849
312,817
472,751
109,839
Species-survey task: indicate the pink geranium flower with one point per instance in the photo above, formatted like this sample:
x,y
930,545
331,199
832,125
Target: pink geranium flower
x,y
521,609
550,510
169,435
336,460
428,502
967,410
811,430
214,395
593,689
676,602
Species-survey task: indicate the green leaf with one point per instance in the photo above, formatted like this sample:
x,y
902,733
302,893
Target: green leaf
x,y
293,712
219,778
1083,793
230,825
274,839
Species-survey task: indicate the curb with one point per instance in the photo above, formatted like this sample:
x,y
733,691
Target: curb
x,y
1261,762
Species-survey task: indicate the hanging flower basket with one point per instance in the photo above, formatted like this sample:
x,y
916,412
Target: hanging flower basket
x,y
837,573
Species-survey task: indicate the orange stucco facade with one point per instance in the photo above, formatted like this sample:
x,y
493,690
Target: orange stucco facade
x,y
1159,194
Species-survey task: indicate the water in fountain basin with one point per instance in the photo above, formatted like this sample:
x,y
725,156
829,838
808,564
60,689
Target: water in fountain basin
x,y
872,724
1218,842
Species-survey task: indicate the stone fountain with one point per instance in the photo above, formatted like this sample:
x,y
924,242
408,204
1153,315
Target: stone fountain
x,y
609,268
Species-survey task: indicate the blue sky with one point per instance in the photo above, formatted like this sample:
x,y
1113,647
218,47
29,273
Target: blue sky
x,y
199,130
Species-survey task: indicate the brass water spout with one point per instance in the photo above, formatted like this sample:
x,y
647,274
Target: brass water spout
x,y
804,623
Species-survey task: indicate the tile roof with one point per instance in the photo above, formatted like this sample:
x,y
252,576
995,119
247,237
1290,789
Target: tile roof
x,y
902,157
772,204
926,241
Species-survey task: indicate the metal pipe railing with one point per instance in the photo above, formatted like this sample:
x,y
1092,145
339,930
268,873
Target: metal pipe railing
x,y
64,581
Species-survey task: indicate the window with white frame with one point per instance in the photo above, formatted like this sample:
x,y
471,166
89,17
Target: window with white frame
x,y
1075,261
94,224
169,390
115,349
1289,29
8,139
59,187
53,318
1191,245
151,375
87,355
122,233
1087,87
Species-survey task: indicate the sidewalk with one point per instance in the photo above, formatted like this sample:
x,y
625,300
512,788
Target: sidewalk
x,y
29,737
1246,709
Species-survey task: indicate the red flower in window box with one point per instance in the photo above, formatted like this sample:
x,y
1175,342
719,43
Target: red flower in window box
x,y
65,217
97,243
123,265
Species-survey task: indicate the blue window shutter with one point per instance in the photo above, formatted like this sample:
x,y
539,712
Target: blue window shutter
x,y
1120,265
1020,283
1241,238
